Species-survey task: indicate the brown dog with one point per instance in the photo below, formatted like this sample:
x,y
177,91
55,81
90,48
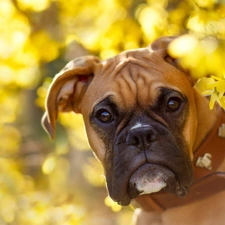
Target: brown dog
x,y
147,125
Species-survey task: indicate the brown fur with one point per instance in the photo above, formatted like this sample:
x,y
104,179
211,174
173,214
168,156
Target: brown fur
x,y
126,77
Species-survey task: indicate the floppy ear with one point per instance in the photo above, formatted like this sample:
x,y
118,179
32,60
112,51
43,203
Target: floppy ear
x,y
162,43
67,89
161,47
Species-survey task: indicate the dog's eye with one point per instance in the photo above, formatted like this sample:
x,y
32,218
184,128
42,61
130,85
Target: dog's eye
x,y
173,104
104,116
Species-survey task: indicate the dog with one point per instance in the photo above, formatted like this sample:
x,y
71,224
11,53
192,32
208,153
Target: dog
x,y
152,131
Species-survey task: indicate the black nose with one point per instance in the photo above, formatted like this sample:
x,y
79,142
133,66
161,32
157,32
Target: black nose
x,y
142,137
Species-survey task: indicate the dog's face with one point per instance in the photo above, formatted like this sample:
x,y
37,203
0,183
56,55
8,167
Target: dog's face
x,y
140,117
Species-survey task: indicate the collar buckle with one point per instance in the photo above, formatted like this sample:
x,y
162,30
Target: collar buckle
x,y
221,132
205,161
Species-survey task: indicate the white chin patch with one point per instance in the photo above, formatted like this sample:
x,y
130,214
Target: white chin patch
x,y
147,185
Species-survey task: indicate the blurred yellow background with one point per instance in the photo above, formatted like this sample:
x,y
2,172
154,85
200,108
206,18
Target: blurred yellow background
x,y
61,183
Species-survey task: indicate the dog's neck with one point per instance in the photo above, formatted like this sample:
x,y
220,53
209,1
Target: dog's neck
x,y
210,155
206,119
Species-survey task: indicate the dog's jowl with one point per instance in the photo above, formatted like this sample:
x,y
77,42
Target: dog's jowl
x,y
150,128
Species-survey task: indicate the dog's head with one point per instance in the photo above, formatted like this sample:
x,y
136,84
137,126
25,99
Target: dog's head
x,y
140,118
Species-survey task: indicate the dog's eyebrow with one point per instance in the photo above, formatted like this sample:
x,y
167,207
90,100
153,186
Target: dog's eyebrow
x,y
164,91
109,100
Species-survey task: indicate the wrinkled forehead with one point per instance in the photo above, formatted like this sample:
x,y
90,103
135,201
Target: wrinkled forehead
x,y
134,78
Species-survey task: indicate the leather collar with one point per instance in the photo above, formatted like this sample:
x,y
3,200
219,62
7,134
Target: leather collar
x,y
207,180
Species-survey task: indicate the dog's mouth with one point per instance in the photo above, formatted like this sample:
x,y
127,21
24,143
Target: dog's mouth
x,y
133,170
151,178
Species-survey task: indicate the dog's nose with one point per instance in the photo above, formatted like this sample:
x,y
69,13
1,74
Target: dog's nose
x,y
142,137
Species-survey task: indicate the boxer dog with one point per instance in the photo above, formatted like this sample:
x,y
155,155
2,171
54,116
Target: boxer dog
x,y
144,121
